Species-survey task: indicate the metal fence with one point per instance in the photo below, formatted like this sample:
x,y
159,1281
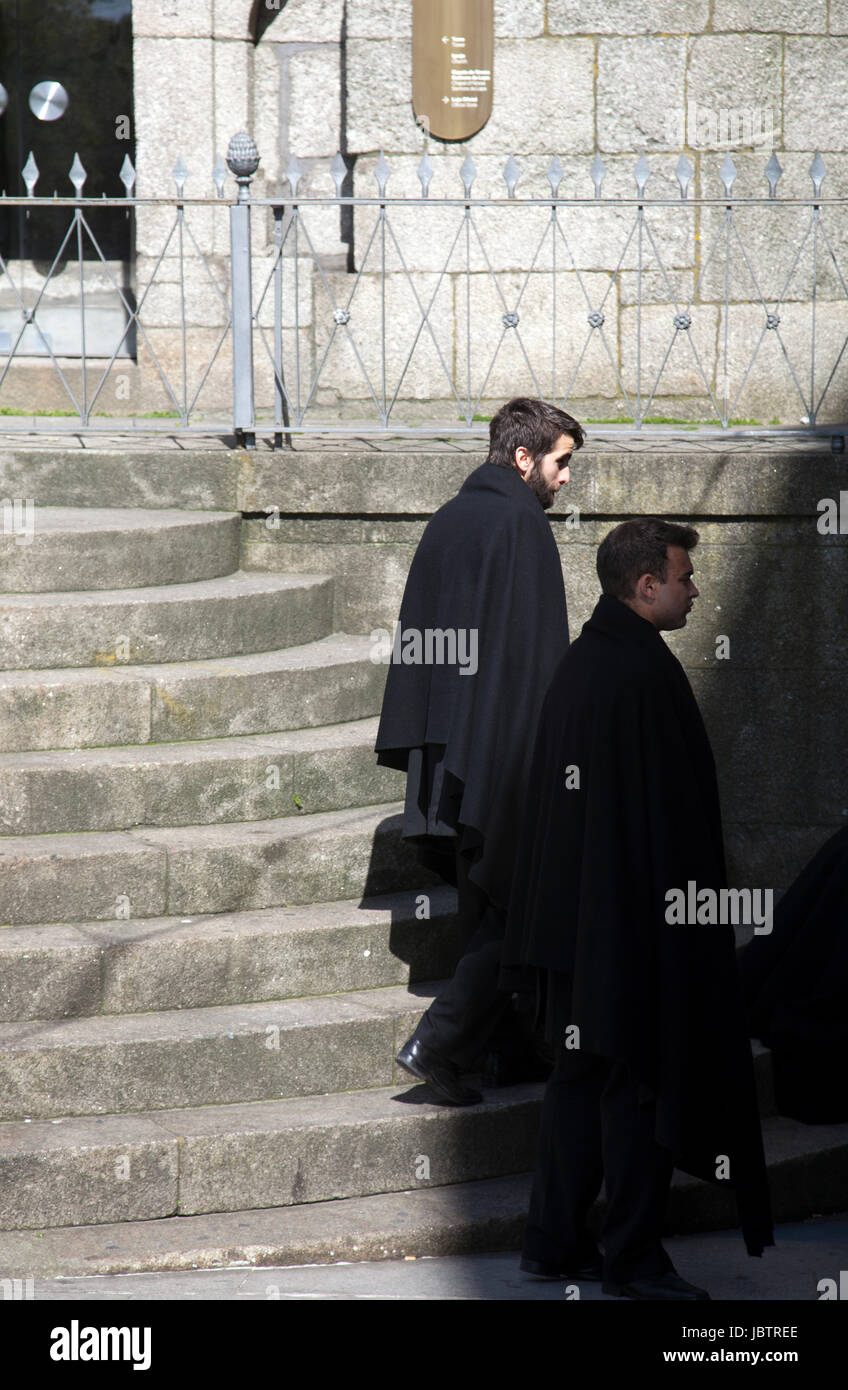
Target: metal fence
x,y
624,308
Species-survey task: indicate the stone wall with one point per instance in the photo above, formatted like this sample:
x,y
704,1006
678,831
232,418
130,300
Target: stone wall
x,y
309,78
704,76
771,583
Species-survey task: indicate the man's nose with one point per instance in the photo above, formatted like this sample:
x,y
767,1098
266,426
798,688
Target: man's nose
x,y
695,593
566,471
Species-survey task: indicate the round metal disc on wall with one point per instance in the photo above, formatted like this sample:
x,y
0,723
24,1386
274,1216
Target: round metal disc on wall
x,y
4,98
48,101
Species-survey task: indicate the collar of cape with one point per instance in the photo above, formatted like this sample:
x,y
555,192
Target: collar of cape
x,y
617,620
507,482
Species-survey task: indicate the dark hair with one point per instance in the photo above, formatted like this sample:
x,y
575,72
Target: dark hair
x,y
530,423
639,547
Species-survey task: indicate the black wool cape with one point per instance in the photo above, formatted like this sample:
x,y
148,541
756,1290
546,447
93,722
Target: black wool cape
x,y
623,807
795,987
487,562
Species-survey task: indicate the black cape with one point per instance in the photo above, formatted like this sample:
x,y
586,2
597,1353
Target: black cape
x,y
795,985
589,897
487,562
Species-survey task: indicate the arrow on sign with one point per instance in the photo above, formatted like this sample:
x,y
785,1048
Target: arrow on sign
x,y
445,101
445,38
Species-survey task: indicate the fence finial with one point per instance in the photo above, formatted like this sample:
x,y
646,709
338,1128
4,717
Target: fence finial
x,y
817,174
555,174
127,175
641,174
242,162
382,174
511,174
425,174
468,174
77,175
773,173
683,174
179,173
727,173
219,175
338,169
30,175
294,174
598,170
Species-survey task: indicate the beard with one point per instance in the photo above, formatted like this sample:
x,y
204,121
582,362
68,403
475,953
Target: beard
x,y
545,493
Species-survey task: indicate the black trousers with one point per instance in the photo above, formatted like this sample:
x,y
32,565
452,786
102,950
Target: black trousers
x,y
596,1128
468,1013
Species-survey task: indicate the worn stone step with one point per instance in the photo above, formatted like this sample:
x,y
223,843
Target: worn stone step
x,y
265,1154
62,548
215,781
182,870
806,1176
309,1149
215,1056
160,963
321,682
241,612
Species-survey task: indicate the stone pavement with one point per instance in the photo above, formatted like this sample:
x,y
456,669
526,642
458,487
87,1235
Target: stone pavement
x,y
805,1253
218,436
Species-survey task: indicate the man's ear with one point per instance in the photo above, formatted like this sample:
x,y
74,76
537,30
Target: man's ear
x,y
523,460
645,586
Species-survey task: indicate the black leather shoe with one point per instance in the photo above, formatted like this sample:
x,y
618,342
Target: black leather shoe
x,y
441,1075
591,1269
668,1286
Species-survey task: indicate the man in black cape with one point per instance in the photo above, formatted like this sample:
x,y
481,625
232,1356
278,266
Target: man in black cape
x,y
795,987
653,1065
482,626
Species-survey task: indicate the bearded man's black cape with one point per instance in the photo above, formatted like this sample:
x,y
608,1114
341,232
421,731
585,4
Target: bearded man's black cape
x,y
599,851
795,986
488,563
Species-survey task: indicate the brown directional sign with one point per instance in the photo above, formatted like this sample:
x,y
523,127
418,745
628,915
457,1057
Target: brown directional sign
x,y
452,47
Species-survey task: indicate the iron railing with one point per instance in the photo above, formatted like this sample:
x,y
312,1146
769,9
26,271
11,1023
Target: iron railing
x,y
628,304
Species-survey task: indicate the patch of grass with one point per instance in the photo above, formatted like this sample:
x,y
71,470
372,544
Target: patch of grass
x,y
669,420
98,414
11,410
648,420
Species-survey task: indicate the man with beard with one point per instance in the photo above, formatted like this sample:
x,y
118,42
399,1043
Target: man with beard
x,y
487,575
653,1067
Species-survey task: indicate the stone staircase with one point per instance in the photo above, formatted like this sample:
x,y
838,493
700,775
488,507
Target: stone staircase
x,y
211,945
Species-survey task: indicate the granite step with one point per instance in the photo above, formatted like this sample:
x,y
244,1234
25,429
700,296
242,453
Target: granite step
x,y
241,612
140,1167
76,548
181,870
320,682
120,1063
215,781
806,1176
219,1055
161,963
